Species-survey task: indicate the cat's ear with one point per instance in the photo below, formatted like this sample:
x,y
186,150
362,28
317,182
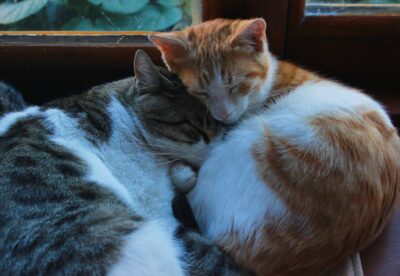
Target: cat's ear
x,y
146,74
251,35
172,48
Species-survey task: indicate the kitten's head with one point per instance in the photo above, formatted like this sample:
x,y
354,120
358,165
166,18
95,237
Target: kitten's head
x,y
222,62
177,124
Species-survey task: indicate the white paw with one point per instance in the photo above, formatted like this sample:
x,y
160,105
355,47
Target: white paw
x,y
183,177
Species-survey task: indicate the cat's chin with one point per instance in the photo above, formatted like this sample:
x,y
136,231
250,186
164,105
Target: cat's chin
x,y
231,120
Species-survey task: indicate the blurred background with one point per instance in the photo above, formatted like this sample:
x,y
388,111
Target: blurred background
x,y
95,15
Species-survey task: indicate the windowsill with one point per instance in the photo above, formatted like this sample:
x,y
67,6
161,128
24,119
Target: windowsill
x,y
74,38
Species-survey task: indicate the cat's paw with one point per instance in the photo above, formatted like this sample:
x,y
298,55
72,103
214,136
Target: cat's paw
x,y
183,177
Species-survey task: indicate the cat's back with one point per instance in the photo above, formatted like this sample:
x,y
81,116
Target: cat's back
x,y
318,181
100,130
54,213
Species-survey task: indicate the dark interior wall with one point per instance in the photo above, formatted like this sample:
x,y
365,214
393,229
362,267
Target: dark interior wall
x,y
43,71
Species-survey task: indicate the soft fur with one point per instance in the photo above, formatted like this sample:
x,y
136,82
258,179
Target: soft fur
x,y
10,99
84,186
309,178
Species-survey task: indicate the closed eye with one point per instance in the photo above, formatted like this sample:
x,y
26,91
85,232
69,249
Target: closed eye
x,y
201,94
202,133
231,90
171,123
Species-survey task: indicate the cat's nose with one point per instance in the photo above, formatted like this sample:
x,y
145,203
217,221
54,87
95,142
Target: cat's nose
x,y
222,114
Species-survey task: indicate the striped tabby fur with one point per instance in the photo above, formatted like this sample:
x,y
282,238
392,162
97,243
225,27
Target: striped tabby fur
x,y
10,99
84,186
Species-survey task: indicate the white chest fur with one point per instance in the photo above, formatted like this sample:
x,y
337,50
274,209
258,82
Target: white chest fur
x,y
121,164
229,195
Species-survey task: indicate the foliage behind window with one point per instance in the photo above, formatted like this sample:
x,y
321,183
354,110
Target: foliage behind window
x,y
94,15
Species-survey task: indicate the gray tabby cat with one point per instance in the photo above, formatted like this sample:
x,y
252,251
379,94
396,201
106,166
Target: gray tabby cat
x,y
84,186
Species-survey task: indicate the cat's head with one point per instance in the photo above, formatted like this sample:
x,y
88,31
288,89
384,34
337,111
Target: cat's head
x,y
222,62
176,124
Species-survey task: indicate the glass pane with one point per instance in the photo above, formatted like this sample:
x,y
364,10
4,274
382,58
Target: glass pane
x,y
96,15
352,7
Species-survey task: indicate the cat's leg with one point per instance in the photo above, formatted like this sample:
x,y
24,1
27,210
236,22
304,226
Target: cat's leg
x,y
149,251
202,257
183,177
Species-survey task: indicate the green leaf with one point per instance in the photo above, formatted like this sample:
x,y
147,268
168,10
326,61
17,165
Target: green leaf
x,y
13,12
59,2
151,18
79,24
170,2
120,6
157,18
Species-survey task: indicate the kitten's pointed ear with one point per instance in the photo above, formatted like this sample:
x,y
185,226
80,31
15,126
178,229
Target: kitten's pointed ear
x,y
146,73
172,48
251,35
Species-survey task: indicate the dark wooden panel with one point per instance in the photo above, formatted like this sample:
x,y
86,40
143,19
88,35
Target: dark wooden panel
x,y
44,71
347,26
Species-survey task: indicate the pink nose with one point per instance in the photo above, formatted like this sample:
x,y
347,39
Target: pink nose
x,y
222,114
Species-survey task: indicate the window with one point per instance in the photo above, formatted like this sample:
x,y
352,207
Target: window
x,y
95,15
352,7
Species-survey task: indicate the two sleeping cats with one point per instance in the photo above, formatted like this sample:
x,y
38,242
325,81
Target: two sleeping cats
x,y
85,186
308,178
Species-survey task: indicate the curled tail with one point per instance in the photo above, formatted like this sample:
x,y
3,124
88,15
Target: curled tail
x,y
10,99
205,258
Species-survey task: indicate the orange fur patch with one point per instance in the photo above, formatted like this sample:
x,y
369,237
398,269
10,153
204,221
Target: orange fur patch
x,y
323,196
288,77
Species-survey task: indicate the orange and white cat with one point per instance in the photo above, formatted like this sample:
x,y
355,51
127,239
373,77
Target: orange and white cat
x,y
299,185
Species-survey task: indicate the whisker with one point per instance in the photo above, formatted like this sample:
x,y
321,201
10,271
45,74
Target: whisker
x,y
170,161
